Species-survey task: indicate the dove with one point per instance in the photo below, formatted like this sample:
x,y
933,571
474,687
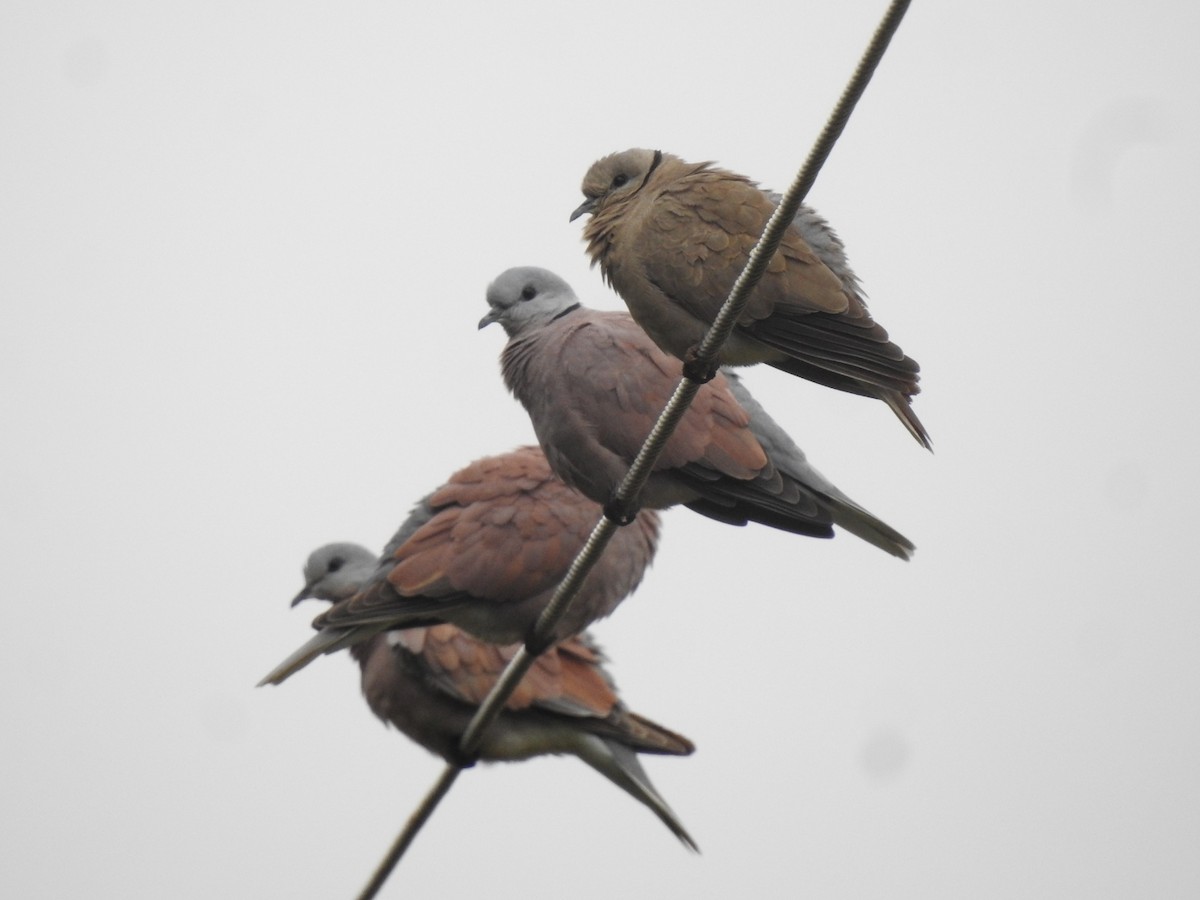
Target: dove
x,y
594,383
428,682
485,552
671,238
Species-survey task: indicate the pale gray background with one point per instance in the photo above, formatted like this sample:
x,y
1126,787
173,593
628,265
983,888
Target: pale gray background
x,y
243,249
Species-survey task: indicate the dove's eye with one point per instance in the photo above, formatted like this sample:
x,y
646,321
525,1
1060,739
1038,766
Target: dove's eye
x,y
336,563
528,292
619,180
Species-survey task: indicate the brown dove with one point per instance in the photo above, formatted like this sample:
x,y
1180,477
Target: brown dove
x,y
485,552
427,682
593,384
671,238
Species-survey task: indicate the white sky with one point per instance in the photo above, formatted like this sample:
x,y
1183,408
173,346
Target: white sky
x,y
243,249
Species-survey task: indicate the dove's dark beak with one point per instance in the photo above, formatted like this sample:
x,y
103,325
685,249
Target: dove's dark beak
x,y
303,595
587,206
493,315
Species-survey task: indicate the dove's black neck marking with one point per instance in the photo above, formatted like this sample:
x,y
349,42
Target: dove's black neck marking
x,y
569,309
653,165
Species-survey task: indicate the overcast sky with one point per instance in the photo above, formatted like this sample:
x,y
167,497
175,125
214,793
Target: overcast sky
x,y
243,250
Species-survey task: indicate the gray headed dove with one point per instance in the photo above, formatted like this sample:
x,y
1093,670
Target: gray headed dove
x,y
427,682
593,384
671,237
485,552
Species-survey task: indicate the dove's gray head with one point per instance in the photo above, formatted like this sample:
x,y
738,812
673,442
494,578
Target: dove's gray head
x,y
335,572
527,297
616,176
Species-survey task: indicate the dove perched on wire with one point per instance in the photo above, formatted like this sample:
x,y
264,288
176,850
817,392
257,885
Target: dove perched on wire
x,y
594,384
427,682
671,238
485,552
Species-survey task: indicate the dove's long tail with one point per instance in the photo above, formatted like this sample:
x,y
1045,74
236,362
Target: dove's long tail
x,y
329,640
620,765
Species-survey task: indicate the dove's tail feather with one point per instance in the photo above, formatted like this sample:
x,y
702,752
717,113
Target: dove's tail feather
x,y
845,380
329,640
650,737
902,407
727,509
620,765
862,524
791,461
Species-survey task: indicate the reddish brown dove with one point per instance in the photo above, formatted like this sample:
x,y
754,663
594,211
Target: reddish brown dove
x,y
427,682
485,552
593,384
671,238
